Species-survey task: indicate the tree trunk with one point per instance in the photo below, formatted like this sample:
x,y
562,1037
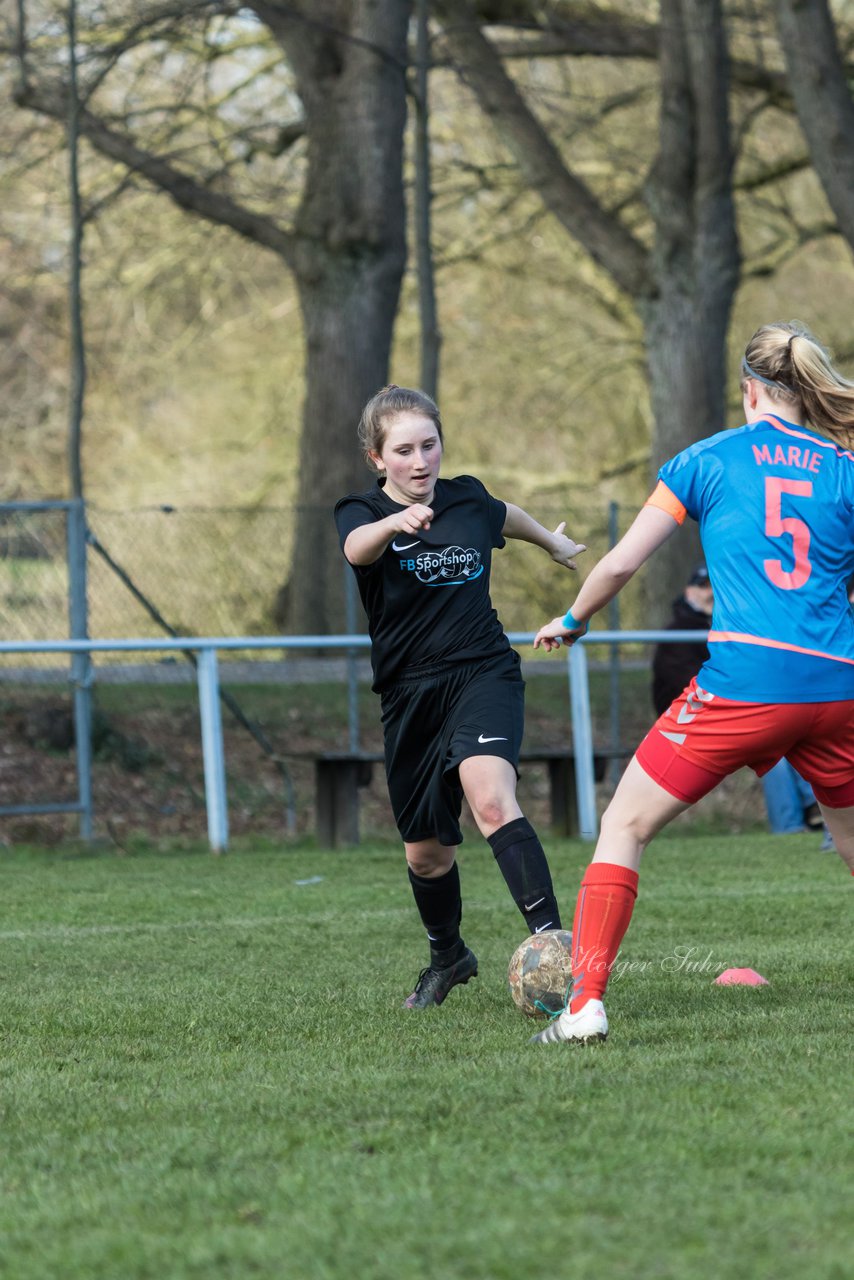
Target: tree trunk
x,y
695,259
349,257
684,286
348,318
823,100
685,353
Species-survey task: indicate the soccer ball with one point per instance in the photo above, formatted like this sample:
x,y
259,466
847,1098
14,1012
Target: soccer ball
x,y
540,973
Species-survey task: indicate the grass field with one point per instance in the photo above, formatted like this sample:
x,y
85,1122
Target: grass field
x,y
206,1073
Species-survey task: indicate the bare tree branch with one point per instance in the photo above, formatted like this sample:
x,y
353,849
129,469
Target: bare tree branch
x,y
148,28
770,173
603,236
186,192
613,37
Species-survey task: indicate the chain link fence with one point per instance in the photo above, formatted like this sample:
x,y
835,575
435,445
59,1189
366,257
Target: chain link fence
x,y
34,578
218,572
206,572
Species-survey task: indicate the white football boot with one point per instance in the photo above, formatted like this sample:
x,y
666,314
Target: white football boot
x,y
590,1023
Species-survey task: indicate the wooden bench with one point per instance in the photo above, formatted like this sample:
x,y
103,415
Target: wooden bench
x,y
338,776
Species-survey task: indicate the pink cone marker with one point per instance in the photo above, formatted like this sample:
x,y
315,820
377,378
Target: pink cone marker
x,y
741,978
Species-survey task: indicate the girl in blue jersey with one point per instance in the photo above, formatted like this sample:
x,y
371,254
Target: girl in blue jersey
x,y
450,685
774,500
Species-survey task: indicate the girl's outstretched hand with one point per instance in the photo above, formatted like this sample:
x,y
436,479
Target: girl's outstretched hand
x,y
565,550
554,633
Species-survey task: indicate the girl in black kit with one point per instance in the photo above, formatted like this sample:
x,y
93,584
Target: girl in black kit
x,y
451,691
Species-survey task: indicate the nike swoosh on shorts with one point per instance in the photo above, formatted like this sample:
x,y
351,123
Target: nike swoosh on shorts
x,y
482,739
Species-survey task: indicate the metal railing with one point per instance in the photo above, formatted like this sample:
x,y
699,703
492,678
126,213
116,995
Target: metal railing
x,y
207,675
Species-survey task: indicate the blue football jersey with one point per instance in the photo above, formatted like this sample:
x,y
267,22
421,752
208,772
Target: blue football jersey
x,y
775,506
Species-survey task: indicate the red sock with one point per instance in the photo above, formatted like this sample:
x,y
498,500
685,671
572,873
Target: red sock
x,y
604,908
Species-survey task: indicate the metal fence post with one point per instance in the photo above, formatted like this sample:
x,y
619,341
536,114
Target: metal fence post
x,y
352,660
81,663
614,654
582,740
212,750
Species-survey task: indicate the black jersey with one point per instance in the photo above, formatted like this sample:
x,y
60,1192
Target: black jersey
x,y
427,596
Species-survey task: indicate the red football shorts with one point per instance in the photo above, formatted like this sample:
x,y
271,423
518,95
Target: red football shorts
x,y
701,738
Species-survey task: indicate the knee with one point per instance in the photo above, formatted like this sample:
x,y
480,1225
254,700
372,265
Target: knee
x,y
430,860
616,825
492,810
489,784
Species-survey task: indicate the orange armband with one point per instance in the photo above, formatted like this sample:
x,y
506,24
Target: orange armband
x,y
666,500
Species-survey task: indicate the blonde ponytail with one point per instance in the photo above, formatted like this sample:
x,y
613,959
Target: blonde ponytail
x,y
794,365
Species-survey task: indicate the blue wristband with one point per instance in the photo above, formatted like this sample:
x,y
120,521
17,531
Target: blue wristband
x,y
570,623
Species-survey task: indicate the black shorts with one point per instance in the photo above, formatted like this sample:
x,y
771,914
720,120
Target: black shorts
x,y
434,721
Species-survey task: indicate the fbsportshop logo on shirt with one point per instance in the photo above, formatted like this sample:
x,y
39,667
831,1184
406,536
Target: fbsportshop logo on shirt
x,y
450,567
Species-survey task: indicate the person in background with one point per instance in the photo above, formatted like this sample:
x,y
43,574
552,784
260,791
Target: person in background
x,y
675,665
789,798
790,801
827,845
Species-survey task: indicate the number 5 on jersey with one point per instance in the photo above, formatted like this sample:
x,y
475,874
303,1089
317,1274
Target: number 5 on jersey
x,y
777,525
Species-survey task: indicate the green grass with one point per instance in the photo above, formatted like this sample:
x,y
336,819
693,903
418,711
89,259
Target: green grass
x,y
205,1072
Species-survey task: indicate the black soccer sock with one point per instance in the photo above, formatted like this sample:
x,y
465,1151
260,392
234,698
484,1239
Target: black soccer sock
x,y
440,906
522,862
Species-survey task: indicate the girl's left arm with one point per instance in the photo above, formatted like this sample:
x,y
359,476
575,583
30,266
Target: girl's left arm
x,y
518,524
651,528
